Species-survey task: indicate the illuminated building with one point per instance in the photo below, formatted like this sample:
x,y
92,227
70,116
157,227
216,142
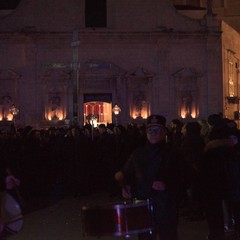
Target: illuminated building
x,y
69,60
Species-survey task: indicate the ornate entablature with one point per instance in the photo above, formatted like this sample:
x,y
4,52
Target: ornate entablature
x,y
139,92
8,94
99,74
56,84
187,92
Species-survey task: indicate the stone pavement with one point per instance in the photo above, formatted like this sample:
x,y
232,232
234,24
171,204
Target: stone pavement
x,y
62,220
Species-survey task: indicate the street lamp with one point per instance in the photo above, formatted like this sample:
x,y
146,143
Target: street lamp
x,y
116,111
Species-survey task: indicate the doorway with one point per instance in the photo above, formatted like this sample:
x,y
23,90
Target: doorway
x,y
98,113
97,108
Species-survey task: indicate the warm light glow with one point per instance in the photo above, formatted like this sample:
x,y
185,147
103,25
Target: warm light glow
x,y
94,123
140,111
231,84
144,114
58,115
10,117
193,114
184,114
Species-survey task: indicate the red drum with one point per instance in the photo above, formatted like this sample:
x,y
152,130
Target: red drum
x,y
121,219
11,214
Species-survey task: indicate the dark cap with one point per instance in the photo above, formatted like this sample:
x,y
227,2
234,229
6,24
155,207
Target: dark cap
x,y
214,119
156,120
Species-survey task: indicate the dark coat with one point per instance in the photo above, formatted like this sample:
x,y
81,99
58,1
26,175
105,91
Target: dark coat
x,y
156,163
213,169
233,174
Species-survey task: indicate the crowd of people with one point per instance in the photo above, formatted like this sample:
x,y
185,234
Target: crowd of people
x,y
195,167
196,163
67,160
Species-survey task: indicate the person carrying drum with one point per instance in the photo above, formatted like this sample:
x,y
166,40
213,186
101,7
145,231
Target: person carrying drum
x,y
12,186
155,172
11,219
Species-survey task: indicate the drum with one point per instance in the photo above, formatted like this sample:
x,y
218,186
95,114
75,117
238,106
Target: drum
x,y
11,214
119,219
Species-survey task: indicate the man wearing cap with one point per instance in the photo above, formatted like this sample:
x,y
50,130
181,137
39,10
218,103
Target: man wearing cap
x,y
153,172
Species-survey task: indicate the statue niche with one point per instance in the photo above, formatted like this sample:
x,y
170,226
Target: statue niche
x,y
186,86
140,103
139,85
55,91
6,103
54,107
187,101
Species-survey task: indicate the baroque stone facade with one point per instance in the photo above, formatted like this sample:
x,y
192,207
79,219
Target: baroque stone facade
x,y
147,58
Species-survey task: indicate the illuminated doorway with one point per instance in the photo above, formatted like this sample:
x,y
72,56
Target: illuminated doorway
x,y
99,112
97,108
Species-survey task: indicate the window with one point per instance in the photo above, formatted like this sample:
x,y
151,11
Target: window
x,y
231,80
95,13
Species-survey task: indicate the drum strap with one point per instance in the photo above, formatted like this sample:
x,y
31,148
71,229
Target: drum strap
x,y
8,229
14,220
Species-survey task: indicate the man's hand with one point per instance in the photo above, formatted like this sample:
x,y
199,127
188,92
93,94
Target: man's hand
x,y
126,192
159,186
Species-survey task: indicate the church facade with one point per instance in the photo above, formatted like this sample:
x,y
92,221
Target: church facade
x,y
75,60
